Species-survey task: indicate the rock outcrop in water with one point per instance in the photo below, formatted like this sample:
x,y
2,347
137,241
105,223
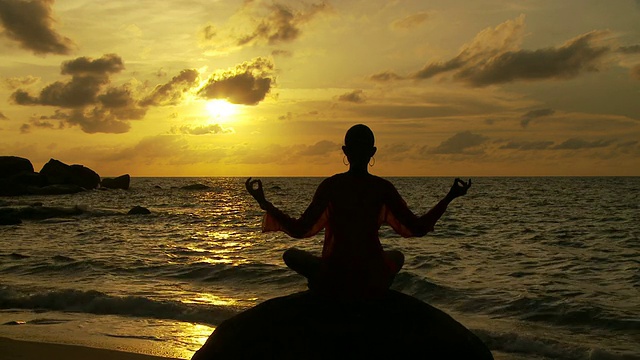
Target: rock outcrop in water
x,y
13,165
38,212
196,187
17,177
139,210
58,172
120,182
307,326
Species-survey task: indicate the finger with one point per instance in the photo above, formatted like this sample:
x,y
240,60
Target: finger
x,y
469,183
247,183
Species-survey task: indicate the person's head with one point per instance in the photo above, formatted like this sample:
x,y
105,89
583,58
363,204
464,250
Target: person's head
x,y
359,144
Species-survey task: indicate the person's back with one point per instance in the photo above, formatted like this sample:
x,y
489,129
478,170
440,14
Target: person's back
x,y
352,249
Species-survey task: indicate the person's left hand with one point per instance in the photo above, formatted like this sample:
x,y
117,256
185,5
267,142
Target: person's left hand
x,y
257,193
459,188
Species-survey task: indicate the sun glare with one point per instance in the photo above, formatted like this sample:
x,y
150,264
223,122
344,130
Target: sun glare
x,y
221,109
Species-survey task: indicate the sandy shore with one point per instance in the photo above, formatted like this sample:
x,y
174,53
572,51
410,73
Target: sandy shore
x,y
27,350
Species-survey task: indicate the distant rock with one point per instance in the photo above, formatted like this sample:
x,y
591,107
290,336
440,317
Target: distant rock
x,y
308,326
120,182
14,165
58,172
139,210
196,187
38,212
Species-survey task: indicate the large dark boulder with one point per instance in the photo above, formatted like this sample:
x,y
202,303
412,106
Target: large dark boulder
x,y
14,165
308,326
16,175
58,172
120,182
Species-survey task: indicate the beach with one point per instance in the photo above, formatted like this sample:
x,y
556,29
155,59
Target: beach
x,y
27,350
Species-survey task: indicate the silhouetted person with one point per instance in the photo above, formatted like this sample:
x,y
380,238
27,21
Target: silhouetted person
x,y
351,207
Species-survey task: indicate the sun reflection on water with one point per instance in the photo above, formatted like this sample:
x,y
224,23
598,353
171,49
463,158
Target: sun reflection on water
x,y
209,299
191,338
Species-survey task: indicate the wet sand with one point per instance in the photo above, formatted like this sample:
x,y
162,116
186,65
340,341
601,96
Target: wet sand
x,y
27,350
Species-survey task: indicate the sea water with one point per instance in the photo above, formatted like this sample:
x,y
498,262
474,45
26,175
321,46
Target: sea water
x,y
538,268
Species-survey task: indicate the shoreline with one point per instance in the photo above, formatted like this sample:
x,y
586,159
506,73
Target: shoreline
x,y
26,350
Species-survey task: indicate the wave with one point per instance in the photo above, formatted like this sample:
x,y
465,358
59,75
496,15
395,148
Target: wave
x,y
549,310
423,289
96,302
193,272
540,347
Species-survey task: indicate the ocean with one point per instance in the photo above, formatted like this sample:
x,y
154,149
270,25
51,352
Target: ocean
x,y
538,268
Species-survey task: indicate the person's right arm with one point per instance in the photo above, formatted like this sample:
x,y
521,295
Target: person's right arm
x,y
310,223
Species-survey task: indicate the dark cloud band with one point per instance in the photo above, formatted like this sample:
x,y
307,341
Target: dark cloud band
x,y
30,23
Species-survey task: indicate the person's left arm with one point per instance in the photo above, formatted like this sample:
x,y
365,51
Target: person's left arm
x,y
407,224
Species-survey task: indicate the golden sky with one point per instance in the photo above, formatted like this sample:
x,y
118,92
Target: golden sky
x,y
268,88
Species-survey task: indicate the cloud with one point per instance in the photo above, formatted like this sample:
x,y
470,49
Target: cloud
x,y
88,78
577,144
410,21
3,117
80,91
393,111
199,130
356,96
87,100
161,146
94,120
534,114
632,49
86,66
171,92
386,76
287,116
281,24
208,32
247,83
527,145
283,53
494,57
16,82
31,24
635,72
320,148
34,122
459,143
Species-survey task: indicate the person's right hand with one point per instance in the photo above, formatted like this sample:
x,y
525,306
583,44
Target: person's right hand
x,y
257,193
459,188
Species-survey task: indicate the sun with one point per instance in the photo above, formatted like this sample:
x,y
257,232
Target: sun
x,y
221,109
